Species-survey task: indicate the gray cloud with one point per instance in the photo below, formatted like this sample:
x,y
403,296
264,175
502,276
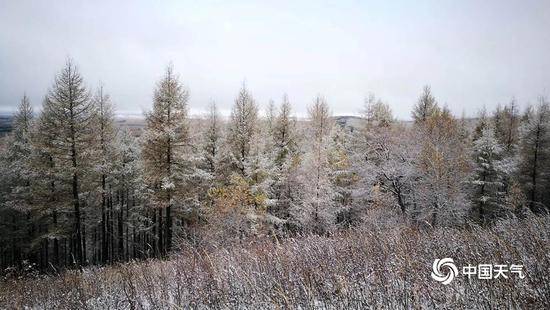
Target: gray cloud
x,y
473,53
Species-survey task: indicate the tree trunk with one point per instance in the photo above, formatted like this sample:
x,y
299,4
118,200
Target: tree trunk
x,y
160,234
120,229
534,172
104,244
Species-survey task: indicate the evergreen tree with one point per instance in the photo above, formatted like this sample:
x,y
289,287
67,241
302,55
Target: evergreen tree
x,y
487,182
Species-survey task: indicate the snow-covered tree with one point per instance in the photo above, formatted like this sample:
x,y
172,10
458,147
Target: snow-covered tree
x,y
425,107
317,211
67,124
443,168
506,126
284,133
482,123
384,160
270,115
165,152
212,138
130,215
242,128
534,166
16,185
106,134
341,173
284,156
376,112
19,155
487,179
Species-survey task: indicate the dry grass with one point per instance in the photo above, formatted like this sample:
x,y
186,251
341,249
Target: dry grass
x,y
372,267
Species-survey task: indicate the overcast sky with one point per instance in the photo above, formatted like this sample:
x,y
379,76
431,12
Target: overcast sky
x,y
472,53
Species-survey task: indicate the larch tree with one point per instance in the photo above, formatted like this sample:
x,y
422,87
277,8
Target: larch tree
x,y
247,149
19,155
126,189
317,210
425,107
284,133
242,128
264,149
384,158
22,123
16,205
534,166
164,150
50,191
106,133
212,138
443,166
238,203
507,122
341,174
483,122
67,122
129,177
270,116
284,157
376,112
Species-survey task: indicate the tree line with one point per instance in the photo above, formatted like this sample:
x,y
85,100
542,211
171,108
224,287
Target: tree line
x,y
76,189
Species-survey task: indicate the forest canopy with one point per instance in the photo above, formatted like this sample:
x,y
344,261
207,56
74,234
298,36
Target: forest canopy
x,y
77,189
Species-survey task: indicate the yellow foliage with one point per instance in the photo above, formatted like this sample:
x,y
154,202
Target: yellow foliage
x,y
237,197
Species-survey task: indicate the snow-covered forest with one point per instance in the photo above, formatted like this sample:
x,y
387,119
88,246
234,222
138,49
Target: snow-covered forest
x,y
78,192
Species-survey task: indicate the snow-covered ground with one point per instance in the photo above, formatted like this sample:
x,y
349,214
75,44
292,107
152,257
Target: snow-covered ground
x,y
382,267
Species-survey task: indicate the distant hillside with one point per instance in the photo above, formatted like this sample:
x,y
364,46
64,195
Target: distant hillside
x,y
136,123
5,124
349,121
